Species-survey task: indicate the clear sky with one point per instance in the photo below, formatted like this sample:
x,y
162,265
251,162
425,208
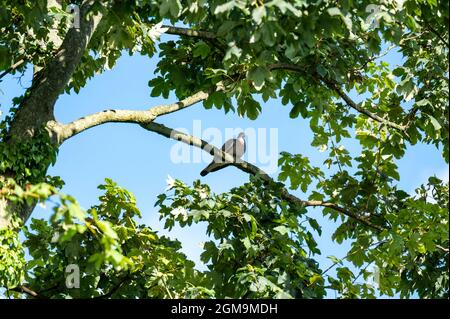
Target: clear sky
x,y
140,160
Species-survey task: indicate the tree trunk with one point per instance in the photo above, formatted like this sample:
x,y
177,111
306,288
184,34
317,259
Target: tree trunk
x,y
35,112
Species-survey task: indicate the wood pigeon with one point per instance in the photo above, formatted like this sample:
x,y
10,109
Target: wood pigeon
x,y
234,147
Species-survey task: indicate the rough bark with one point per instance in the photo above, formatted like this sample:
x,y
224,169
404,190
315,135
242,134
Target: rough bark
x,y
53,36
36,109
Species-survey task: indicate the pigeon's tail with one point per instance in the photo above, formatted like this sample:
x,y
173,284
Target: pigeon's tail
x,y
207,170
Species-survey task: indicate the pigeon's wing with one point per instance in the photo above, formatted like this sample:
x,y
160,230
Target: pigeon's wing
x,y
233,147
229,146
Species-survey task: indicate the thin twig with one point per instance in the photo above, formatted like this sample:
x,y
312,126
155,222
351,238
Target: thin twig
x,y
115,288
12,68
28,291
350,254
445,42
334,87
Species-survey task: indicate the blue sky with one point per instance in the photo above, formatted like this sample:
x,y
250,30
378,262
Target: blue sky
x,y
140,160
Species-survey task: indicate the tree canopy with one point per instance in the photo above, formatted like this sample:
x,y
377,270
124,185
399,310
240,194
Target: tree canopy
x,y
323,59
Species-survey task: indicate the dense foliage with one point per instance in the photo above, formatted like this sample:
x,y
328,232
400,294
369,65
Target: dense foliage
x,y
314,56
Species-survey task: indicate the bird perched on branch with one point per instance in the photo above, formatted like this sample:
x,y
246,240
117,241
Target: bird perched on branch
x,y
235,147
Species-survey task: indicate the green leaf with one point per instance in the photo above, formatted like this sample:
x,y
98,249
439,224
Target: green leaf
x,y
201,49
228,6
321,70
399,71
283,230
232,50
315,225
315,278
258,14
437,126
247,243
334,11
258,76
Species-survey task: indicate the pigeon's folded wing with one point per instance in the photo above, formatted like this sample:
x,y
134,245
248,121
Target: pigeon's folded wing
x,y
234,147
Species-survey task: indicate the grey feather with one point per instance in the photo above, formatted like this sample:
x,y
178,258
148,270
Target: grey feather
x,y
235,147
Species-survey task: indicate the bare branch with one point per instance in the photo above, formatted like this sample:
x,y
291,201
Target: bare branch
x,y
12,68
286,66
189,32
308,203
124,116
28,291
377,244
250,169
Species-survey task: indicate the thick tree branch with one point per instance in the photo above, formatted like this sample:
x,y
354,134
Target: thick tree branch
x,y
250,169
125,116
53,37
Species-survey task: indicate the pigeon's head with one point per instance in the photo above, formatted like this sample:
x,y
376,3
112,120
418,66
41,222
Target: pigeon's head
x,y
241,135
